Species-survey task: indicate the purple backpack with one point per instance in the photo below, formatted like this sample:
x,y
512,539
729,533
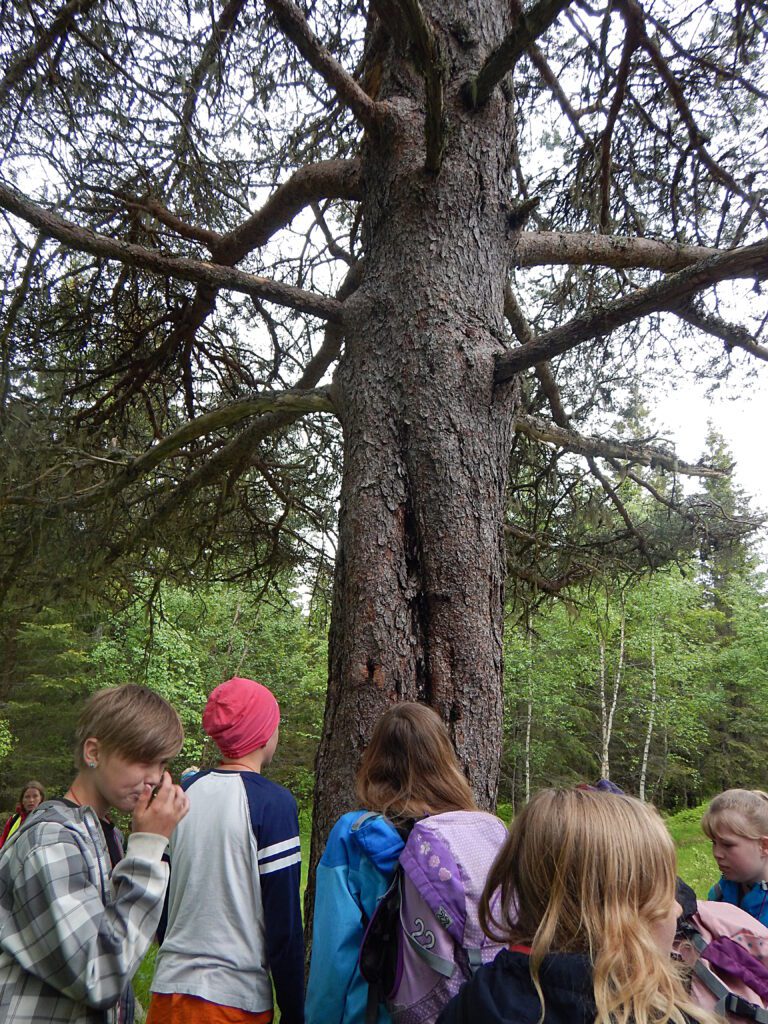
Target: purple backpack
x,y
424,940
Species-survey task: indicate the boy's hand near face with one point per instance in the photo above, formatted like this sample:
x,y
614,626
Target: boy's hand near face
x,y
162,813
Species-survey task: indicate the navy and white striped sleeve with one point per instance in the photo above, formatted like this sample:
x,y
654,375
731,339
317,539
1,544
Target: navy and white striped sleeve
x,y
276,826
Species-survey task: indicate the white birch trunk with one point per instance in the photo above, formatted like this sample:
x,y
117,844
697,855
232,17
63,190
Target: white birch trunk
x,y
608,708
651,718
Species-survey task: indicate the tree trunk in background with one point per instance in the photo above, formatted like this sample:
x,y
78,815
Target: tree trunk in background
x,y
608,705
651,717
418,597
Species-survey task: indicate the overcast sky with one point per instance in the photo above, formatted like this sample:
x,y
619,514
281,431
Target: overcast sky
x,y
740,413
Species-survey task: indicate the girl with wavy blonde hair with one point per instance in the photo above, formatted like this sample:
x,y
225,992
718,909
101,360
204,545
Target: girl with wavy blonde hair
x,y
583,895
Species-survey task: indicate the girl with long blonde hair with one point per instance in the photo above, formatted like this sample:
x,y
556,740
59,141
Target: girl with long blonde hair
x,y
583,896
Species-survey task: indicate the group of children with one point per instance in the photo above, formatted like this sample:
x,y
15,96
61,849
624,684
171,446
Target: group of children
x,y
581,897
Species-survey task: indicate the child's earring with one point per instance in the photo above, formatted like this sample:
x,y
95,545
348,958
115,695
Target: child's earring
x,y
91,764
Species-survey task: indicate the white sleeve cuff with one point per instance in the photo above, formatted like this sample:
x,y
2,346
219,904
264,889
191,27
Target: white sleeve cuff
x,y
146,845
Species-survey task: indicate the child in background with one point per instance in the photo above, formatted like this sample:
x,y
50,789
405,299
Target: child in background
x,y
408,770
737,823
31,797
76,915
234,915
588,912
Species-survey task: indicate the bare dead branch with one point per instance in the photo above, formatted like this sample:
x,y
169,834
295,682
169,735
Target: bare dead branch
x,y
631,42
58,28
554,248
610,448
333,246
670,294
634,17
543,371
181,267
294,26
530,25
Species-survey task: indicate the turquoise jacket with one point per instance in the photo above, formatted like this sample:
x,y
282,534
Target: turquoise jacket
x,y
754,902
353,874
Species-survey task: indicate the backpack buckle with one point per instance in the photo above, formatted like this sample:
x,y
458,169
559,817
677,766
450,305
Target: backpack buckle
x,y
743,1008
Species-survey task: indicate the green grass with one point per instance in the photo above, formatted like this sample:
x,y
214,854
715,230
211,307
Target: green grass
x,y
695,863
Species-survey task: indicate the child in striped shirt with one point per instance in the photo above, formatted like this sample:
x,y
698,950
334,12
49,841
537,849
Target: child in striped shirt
x,y
234,918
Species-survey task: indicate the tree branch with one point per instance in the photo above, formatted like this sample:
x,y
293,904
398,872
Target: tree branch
x,y
634,17
734,335
610,448
220,30
421,46
543,371
153,206
243,447
327,179
555,248
294,26
670,294
198,271
58,28
631,43
618,504
530,25
293,401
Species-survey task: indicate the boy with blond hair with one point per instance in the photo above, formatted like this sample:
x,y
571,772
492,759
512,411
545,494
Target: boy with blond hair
x,y
76,914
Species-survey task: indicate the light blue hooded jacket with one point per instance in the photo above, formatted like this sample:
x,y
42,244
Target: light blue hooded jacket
x,y
353,874
754,901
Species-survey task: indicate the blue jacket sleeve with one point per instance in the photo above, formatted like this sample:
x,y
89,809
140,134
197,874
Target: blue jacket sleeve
x,y
336,932
280,876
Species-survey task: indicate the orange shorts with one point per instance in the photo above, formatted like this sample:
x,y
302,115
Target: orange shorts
x,y
182,1009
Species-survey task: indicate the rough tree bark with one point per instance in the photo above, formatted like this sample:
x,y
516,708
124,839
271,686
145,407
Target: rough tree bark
x,y
420,570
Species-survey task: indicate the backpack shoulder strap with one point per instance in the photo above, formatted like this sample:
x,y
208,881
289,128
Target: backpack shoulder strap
x,y
727,1001
365,816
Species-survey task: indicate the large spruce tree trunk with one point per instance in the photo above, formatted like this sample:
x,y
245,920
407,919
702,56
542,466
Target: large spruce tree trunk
x,y
418,602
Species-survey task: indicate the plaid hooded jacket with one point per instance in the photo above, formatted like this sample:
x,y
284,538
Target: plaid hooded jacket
x,y
71,936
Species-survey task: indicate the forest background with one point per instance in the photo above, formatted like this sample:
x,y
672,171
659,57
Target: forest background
x,y
658,681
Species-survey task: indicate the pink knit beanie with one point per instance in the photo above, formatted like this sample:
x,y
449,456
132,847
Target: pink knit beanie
x,y
240,716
